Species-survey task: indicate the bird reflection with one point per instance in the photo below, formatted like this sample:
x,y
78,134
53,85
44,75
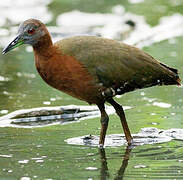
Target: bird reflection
x,y
104,169
104,173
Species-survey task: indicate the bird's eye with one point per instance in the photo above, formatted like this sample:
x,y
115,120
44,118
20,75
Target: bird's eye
x,y
31,31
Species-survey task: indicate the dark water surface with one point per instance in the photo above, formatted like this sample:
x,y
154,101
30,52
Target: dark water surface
x,y
43,153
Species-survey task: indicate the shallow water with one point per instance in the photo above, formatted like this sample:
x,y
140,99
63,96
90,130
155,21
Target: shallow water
x,y
43,153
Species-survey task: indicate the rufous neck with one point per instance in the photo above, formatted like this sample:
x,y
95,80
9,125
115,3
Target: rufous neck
x,y
43,45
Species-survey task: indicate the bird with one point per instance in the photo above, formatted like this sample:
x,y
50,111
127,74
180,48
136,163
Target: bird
x,y
93,69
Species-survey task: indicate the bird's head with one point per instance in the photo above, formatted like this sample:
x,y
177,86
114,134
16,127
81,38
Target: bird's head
x,y
29,32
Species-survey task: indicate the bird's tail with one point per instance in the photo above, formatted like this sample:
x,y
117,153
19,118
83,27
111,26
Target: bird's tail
x,y
179,82
176,74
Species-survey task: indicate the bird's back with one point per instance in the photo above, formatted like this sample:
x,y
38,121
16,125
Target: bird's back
x,y
117,65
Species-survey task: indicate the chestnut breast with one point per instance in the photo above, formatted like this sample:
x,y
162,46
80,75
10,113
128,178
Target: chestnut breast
x,y
66,74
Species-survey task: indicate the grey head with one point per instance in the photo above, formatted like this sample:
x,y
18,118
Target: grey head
x,y
29,32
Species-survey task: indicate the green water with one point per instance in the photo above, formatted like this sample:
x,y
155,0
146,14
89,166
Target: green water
x,y
42,153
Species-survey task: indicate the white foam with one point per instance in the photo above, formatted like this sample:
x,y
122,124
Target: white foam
x,y
162,104
15,12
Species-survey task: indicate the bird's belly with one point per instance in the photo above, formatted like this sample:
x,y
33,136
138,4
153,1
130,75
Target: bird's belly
x,y
77,88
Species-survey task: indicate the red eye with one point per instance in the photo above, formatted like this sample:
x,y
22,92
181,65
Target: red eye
x,y
31,31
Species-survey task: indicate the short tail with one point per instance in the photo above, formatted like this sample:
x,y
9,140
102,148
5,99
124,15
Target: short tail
x,y
175,71
179,82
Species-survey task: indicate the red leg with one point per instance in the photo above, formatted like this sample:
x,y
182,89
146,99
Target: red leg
x,y
104,124
121,114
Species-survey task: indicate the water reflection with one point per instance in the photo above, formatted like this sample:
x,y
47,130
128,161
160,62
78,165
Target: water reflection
x,y
104,172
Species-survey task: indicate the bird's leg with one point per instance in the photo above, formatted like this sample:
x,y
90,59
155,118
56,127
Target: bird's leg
x,y
104,124
121,114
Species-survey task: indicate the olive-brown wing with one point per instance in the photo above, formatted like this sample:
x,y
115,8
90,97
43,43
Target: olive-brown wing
x,y
116,64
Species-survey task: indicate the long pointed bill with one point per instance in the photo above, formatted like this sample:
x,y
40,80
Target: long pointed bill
x,y
15,43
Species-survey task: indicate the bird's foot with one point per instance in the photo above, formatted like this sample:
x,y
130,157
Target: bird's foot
x,y
130,144
101,146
